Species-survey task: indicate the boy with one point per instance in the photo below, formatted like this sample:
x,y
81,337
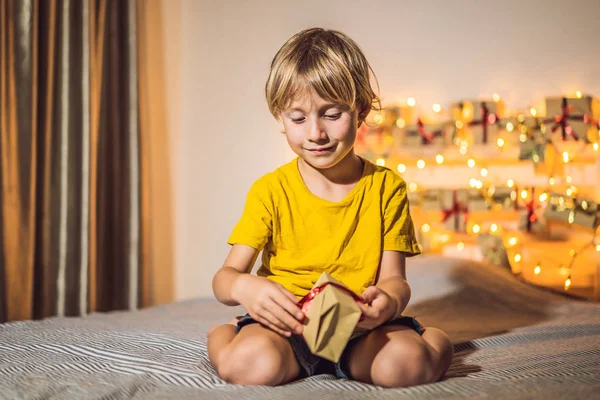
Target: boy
x,y
328,210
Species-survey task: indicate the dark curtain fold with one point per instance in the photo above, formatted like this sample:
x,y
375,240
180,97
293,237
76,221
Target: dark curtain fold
x,y
71,216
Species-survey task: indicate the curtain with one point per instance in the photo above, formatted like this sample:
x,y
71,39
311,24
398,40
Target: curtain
x,y
76,187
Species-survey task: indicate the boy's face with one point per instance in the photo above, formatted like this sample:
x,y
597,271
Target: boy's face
x,y
320,132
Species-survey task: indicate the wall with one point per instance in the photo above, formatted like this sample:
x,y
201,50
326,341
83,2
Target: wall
x,y
223,137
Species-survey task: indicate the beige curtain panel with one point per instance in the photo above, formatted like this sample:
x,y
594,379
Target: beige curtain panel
x,y
80,124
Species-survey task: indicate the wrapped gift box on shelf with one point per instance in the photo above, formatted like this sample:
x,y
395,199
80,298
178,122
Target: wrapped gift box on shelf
x,y
531,213
579,211
426,135
573,118
456,205
476,121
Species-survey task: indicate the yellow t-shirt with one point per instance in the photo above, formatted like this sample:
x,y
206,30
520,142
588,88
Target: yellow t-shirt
x,y
303,235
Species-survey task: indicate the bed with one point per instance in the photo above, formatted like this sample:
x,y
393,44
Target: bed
x,y
511,340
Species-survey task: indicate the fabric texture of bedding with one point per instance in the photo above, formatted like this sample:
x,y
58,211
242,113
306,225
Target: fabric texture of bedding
x,y
511,340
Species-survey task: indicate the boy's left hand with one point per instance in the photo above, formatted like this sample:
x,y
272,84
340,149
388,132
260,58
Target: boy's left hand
x,y
381,307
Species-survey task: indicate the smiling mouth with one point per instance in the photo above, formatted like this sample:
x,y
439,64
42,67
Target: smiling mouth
x,y
322,150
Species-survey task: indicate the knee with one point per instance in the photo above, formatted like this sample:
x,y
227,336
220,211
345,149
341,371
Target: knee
x,y
252,362
403,366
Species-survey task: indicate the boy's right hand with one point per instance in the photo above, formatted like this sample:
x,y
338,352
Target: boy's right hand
x,y
269,303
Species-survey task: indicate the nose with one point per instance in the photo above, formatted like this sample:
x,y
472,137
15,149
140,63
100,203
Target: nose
x,y
317,132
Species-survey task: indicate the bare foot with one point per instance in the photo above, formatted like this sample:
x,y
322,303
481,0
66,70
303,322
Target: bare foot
x,y
232,321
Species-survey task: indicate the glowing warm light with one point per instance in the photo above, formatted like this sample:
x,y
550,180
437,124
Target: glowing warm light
x,y
472,182
537,270
411,101
400,123
458,124
567,283
463,150
510,183
471,163
595,146
523,137
598,248
437,108
572,217
569,179
578,94
552,181
510,127
533,111
380,162
494,228
439,159
378,119
512,241
584,205
483,172
421,164
517,257
401,168
565,157
460,246
425,228
572,252
543,197
496,97
500,142
524,194
492,118
569,191
413,187
521,118
479,185
477,229
535,158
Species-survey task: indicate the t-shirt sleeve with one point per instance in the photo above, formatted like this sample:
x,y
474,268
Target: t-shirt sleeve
x,y
254,228
398,231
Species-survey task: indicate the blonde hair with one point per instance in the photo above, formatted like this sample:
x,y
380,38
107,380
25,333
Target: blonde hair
x,y
327,62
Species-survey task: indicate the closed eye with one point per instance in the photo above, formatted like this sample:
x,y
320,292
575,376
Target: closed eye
x,y
333,116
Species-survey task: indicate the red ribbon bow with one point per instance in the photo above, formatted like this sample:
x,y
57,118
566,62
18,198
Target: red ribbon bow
x,y
531,206
562,121
455,210
427,136
304,303
487,118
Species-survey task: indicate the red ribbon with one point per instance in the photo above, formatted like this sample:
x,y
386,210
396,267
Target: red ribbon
x,y
455,210
531,207
427,136
487,118
306,300
562,121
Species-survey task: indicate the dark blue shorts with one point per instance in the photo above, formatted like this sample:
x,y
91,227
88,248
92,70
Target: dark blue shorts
x,y
311,364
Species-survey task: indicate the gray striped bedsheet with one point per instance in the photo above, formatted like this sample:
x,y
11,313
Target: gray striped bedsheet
x,y
511,340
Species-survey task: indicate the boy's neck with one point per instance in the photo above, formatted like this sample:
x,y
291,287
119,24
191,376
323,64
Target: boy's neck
x,y
348,171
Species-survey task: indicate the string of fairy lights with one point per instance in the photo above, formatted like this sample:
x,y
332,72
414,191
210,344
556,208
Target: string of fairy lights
x,y
513,246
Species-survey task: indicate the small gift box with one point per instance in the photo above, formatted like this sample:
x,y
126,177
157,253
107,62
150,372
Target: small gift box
x,y
560,209
477,121
586,213
573,118
422,134
331,317
502,198
455,209
531,218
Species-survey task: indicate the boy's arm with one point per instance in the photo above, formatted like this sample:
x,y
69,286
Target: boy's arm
x,y
390,294
239,261
392,280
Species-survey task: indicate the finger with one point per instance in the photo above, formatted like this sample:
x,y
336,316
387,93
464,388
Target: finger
x,y
289,305
288,294
273,327
270,313
285,318
370,294
368,311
